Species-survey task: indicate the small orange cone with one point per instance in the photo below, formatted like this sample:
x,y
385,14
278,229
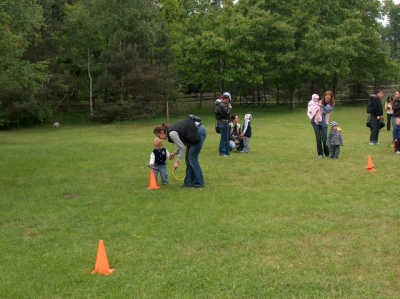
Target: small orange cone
x,y
102,266
153,181
370,166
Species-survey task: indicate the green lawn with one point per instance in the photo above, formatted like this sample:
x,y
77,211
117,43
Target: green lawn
x,y
276,223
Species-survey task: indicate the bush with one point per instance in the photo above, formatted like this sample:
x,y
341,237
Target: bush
x,y
24,114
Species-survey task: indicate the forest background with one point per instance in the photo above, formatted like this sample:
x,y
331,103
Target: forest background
x,y
126,59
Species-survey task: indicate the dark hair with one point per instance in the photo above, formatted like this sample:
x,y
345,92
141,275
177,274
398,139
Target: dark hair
x,y
161,128
233,116
389,99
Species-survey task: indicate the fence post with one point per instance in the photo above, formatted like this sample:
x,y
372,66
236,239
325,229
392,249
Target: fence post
x,y
167,113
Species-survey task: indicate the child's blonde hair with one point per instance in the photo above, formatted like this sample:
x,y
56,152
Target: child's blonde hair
x,y
157,142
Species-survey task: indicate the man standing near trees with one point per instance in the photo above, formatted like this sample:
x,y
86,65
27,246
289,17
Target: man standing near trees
x,y
376,116
223,109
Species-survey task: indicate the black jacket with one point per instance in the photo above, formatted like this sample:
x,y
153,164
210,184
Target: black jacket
x,y
222,111
396,108
376,106
187,131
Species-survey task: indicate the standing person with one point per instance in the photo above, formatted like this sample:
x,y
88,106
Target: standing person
x,y
389,111
223,109
327,104
396,109
334,141
396,136
158,160
188,135
246,134
376,116
234,133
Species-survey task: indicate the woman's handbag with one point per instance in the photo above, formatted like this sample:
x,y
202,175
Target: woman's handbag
x,y
217,129
382,124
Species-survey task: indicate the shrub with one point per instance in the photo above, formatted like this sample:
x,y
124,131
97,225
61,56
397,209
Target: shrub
x,y
24,114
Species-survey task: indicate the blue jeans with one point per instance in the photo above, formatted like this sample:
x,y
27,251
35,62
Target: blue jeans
x,y
162,170
320,138
393,124
224,148
194,174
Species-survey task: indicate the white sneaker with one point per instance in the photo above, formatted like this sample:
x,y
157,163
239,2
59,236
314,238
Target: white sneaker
x,y
371,143
398,152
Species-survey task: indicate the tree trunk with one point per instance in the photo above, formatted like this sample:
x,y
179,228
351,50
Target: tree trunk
x,y
90,86
293,97
68,106
335,83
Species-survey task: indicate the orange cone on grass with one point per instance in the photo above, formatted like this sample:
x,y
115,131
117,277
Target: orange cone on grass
x,y
102,266
153,181
370,166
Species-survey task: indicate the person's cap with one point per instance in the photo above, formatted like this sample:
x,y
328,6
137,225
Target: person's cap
x,y
228,95
334,124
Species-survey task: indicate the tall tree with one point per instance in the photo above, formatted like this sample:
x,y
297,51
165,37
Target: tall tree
x,y
20,24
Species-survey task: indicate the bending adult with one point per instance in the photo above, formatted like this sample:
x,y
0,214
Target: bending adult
x,y
320,123
223,109
188,135
376,116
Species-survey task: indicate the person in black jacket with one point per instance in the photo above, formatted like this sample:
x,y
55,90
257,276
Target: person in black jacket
x,y
223,109
396,109
376,116
188,135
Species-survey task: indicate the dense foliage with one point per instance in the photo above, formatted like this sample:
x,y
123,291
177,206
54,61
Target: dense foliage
x,y
126,58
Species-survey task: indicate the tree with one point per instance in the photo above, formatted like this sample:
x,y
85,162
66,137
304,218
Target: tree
x,y
20,24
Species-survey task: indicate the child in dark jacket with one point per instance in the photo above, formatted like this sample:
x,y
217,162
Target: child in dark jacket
x,y
246,134
158,160
334,141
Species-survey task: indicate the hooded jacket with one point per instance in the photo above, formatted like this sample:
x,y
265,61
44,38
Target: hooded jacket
x,y
376,105
222,111
314,109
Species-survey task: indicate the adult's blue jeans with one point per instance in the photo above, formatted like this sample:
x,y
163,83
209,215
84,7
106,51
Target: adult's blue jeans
x,y
224,148
194,174
320,138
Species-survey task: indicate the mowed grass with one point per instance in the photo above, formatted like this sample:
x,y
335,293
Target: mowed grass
x,y
276,223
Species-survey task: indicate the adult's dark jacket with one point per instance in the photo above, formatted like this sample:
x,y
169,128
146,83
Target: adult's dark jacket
x,y
396,108
187,130
222,111
376,105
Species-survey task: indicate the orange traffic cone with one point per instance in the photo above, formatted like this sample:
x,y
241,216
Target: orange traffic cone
x,y
153,181
102,266
370,166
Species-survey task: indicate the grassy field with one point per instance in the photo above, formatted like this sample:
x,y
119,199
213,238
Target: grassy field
x,y
276,223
